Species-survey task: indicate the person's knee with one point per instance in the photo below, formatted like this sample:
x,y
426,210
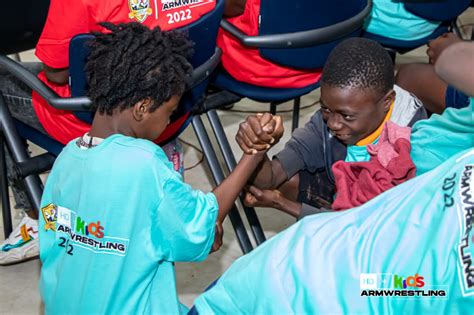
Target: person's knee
x,y
405,75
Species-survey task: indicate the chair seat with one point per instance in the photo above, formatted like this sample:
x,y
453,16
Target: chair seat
x,y
225,81
403,46
38,138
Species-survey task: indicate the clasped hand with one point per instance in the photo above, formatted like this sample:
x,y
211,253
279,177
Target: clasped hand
x,y
259,133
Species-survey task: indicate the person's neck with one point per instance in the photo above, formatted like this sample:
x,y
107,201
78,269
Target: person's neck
x,y
104,126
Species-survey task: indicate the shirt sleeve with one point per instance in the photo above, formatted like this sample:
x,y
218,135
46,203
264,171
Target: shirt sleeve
x,y
304,151
185,222
65,20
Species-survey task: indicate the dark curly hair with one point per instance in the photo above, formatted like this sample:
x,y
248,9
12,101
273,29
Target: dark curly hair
x,y
360,63
132,63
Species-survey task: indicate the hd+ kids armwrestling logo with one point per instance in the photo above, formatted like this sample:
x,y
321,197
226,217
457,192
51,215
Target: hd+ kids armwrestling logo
x,y
72,230
393,285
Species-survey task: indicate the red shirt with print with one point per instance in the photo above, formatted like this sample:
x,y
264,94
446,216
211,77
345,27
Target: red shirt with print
x,y
245,63
69,18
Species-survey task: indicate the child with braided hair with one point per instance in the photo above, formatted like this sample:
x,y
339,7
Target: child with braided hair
x,y
115,216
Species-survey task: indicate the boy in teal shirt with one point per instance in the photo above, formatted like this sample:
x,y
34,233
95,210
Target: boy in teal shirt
x,y
115,216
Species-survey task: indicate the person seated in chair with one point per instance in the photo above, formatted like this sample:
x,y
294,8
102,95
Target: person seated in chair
x,y
65,20
423,81
245,63
391,19
358,96
114,212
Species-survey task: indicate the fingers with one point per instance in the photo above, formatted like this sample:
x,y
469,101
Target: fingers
x,y
247,145
257,193
265,118
251,137
273,125
279,129
250,200
259,132
259,136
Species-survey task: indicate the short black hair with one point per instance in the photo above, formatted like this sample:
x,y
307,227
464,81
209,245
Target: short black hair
x,y
132,63
359,63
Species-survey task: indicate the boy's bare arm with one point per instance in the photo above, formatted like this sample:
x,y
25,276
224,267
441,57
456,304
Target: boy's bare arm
x,y
272,198
56,75
454,66
234,7
269,174
228,191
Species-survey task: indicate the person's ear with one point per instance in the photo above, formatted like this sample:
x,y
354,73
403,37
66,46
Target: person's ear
x,y
142,108
388,100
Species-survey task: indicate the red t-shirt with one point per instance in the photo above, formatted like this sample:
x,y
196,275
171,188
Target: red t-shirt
x,y
245,63
69,18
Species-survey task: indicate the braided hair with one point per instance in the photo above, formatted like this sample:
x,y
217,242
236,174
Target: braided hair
x,y
132,63
360,63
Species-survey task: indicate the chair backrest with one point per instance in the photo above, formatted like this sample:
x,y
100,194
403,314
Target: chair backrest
x,y
21,24
437,10
202,32
278,16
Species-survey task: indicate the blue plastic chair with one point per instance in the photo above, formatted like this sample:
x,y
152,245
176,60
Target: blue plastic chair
x,y
445,11
13,132
300,36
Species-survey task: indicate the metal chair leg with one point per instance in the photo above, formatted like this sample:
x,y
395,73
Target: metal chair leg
x,y
218,175
230,161
6,210
296,113
273,108
33,184
455,28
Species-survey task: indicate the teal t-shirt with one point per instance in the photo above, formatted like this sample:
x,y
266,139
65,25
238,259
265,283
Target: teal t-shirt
x,y
389,18
435,140
358,153
113,221
414,241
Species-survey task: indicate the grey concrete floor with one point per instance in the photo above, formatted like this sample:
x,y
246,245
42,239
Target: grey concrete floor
x,y
19,283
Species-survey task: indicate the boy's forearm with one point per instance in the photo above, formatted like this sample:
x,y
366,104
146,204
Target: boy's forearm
x,y
262,177
228,191
56,75
234,7
452,64
292,208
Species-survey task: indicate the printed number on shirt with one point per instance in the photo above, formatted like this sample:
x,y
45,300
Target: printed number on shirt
x,y
65,243
179,16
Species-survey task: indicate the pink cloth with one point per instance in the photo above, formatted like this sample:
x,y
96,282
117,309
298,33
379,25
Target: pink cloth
x,y
390,164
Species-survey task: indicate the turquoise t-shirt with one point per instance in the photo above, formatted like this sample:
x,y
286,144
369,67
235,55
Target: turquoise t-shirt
x,y
389,18
114,219
435,140
408,251
358,153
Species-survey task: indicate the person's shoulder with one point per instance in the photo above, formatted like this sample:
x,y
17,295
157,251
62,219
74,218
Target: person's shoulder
x,y
141,147
316,121
149,157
